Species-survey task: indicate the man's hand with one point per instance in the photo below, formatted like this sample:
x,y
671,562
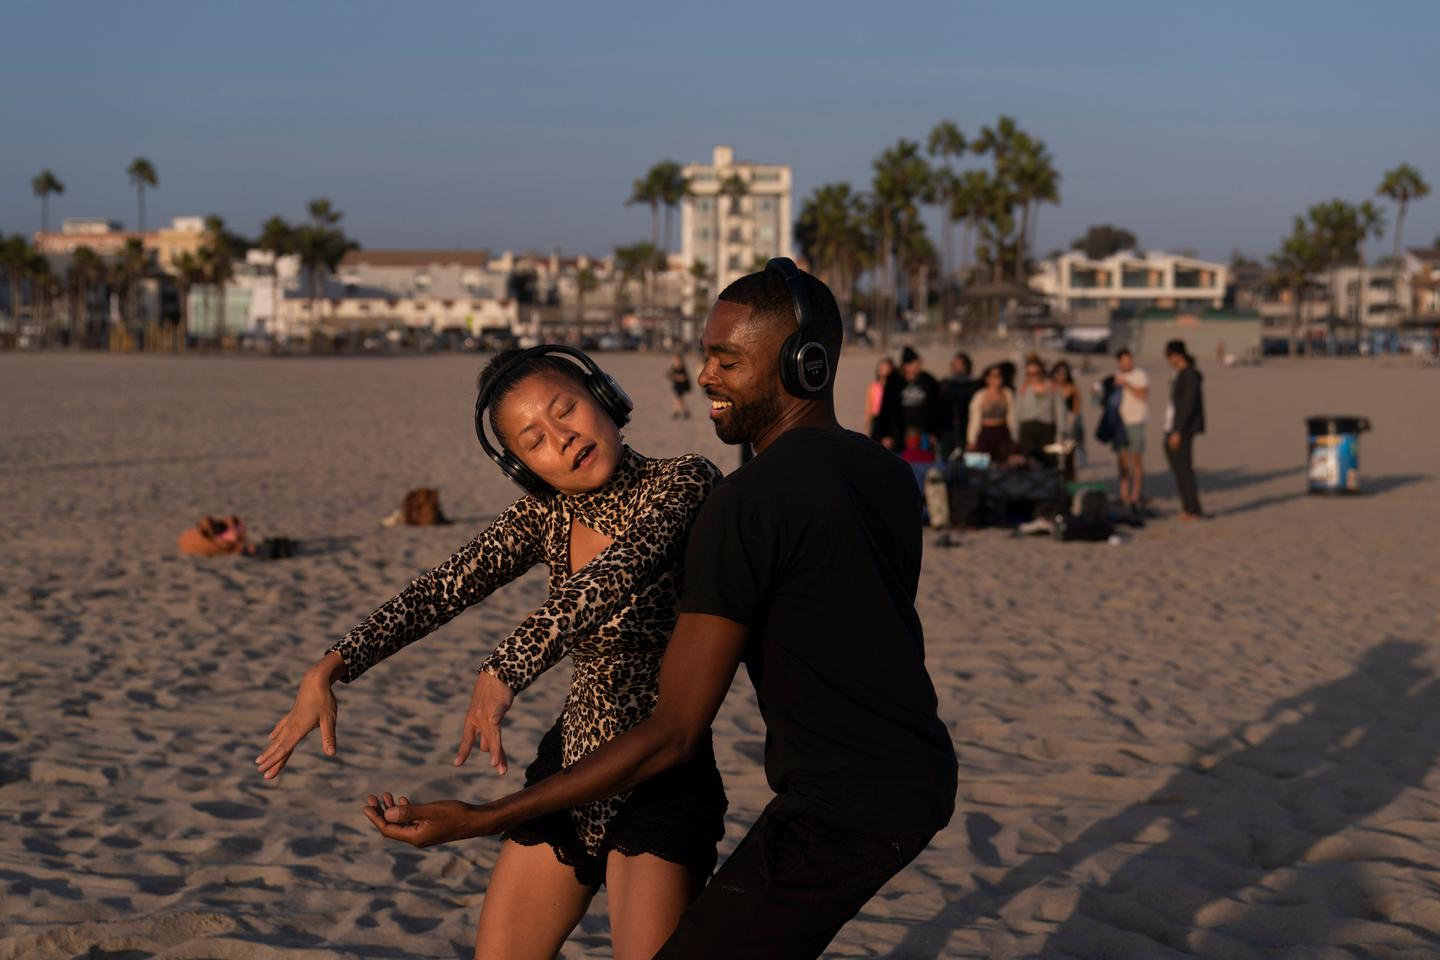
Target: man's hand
x,y
489,701
1172,440
314,707
426,824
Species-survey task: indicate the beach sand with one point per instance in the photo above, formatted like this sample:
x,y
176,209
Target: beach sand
x,y
1216,739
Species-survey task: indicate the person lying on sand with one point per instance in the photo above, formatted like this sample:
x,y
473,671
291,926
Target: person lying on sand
x,y
611,526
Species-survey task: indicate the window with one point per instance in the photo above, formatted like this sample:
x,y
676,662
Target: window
x,y
765,204
704,204
704,234
765,234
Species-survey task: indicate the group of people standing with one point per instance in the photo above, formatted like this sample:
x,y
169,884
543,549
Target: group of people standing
x,y
1039,419
923,419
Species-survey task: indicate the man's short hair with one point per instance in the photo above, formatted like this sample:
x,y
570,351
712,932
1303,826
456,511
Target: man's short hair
x,y
964,358
769,299
1123,352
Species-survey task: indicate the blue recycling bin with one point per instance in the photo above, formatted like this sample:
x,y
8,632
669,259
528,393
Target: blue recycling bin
x,y
1333,443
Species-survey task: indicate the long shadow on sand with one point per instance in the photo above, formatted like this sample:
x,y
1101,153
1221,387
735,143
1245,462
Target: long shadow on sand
x,y
1376,486
1255,805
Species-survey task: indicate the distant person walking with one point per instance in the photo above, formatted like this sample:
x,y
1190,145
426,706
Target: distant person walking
x,y
1035,409
955,395
1184,418
1134,386
680,385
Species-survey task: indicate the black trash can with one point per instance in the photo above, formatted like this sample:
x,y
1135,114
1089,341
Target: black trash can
x,y
1333,444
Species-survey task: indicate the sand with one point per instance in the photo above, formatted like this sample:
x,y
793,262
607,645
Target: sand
x,y
1214,740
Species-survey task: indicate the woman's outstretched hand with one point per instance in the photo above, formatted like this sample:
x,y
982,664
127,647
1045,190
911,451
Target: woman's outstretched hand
x,y
314,707
489,702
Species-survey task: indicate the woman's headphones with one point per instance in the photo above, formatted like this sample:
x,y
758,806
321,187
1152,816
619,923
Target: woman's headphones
x,y
603,387
805,367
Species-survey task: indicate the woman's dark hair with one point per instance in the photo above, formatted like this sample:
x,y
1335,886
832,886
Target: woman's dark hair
x,y
1123,352
544,363
994,368
881,361
1007,372
1063,365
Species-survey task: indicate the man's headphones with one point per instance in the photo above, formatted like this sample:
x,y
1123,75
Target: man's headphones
x,y
603,387
805,367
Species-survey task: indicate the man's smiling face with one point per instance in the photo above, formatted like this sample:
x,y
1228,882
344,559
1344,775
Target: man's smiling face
x,y
741,374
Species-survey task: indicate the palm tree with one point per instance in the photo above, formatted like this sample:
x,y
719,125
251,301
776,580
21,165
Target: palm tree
x,y
142,175
701,277
585,281
278,237
321,245
127,272
918,259
671,186
42,289
86,270
15,259
633,261
189,269
647,191
830,233
44,184
1339,230
216,256
1036,181
1402,185
946,142
1298,259
971,201
901,176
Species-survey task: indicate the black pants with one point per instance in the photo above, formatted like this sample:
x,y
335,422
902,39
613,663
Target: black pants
x,y
1183,467
788,888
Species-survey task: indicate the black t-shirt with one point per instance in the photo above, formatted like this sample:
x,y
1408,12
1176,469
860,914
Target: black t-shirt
x,y
815,546
920,405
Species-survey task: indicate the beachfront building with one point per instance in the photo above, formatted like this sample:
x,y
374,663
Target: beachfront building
x,y
1368,296
736,216
1074,284
1422,267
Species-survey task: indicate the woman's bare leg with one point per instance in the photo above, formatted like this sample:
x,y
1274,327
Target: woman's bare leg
x,y
531,905
647,896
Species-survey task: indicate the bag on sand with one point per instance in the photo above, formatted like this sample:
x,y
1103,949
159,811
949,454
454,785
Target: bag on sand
x,y
213,537
422,508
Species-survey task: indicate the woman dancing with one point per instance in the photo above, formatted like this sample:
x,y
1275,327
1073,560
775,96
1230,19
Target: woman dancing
x,y
611,526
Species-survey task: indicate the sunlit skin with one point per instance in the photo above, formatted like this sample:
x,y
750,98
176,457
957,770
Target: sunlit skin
x,y
1132,466
557,429
741,375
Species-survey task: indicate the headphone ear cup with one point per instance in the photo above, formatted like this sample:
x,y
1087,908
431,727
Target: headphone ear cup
x,y
789,371
524,476
612,397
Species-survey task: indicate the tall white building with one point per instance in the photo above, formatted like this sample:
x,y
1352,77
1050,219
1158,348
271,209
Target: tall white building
x,y
736,215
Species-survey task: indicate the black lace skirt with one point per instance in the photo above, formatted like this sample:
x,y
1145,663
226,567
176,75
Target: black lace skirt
x,y
678,816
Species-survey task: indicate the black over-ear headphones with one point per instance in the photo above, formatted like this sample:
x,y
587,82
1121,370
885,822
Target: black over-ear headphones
x,y
805,367
606,391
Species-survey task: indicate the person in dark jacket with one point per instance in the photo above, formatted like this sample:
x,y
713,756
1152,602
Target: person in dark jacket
x,y
955,396
1183,420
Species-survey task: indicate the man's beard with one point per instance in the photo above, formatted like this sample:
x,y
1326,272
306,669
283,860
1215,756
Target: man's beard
x,y
748,421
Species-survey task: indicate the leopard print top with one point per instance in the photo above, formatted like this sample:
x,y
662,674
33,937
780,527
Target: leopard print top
x,y
613,617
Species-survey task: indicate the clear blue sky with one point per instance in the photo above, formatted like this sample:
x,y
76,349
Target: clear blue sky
x,y
1205,126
